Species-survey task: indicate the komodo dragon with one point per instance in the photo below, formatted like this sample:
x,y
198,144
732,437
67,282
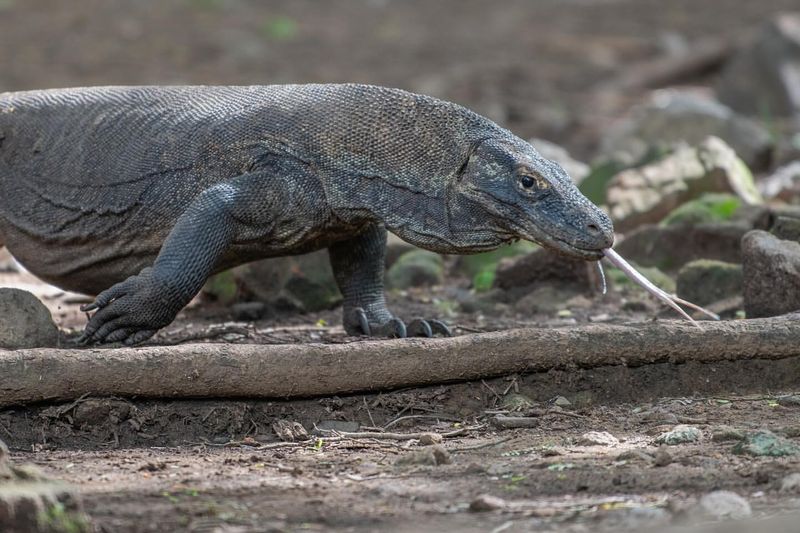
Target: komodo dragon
x,y
139,194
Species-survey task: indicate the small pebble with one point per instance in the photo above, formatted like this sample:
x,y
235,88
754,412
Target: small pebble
x,y
429,439
681,434
635,455
485,502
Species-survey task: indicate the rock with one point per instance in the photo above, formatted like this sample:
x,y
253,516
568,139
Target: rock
x,y
765,443
706,281
783,184
577,170
597,438
417,268
786,228
726,433
648,194
710,207
301,283
30,502
434,455
516,402
481,268
670,247
771,275
673,117
560,401
485,503
543,267
662,457
789,401
636,455
429,439
791,483
24,321
763,79
290,431
723,504
680,434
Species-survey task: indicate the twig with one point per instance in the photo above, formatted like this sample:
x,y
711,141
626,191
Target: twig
x,y
408,417
395,436
369,414
479,446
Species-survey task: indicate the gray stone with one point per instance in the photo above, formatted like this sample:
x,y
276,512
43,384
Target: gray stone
x,y
771,270
670,247
786,228
577,170
648,194
680,434
486,502
672,117
24,321
767,444
723,504
706,281
417,268
560,401
763,79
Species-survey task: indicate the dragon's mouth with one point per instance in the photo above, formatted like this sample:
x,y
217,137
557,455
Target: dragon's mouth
x,y
562,246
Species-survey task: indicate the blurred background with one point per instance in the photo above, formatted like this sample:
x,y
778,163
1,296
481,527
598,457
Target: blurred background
x,y
680,116
534,66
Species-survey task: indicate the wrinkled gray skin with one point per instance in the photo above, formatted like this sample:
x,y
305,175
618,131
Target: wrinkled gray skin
x,y
139,194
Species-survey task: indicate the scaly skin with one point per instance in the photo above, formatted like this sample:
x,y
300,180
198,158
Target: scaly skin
x,y
139,194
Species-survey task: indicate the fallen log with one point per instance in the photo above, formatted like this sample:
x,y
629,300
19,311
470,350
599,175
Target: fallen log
x,y
306,370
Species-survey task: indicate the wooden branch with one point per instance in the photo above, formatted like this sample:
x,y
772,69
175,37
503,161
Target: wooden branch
x,y
304,370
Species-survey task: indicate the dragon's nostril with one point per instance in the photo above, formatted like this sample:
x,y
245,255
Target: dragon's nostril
x,y
593,228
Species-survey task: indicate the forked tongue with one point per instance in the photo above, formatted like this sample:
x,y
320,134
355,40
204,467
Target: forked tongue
x,y
669,299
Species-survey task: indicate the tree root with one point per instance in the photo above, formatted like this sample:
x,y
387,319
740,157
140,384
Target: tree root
x,y
307,370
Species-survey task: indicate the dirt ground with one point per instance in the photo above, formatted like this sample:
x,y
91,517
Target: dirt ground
x,y
209,465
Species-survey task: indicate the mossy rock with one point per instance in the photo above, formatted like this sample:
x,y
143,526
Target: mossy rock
x,y
417,268
706,281
710,207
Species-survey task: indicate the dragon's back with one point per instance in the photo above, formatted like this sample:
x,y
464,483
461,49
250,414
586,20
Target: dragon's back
x,y
100,175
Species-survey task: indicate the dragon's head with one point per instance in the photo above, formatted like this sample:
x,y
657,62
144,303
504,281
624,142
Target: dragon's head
x,y
533,198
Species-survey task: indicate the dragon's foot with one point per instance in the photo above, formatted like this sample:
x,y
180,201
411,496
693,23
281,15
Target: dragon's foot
x,y
358,322
130,311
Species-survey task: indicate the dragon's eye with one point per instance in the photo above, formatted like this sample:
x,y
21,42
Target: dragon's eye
x,y
527,181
